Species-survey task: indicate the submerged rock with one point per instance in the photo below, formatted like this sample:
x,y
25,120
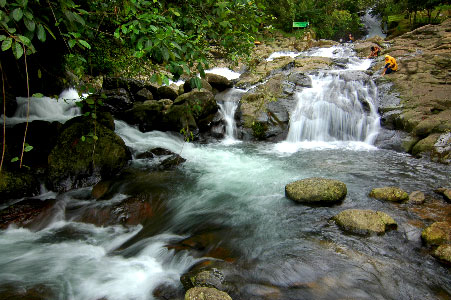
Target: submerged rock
x,y
205,293
15,185
445,192
364,221
417,197
316,190
25,212
393,194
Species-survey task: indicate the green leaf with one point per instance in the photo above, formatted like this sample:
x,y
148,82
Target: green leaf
x,y
30,24
94,116
95,137
15,159
39,74
7,44
83,138
38,95
2,37
2,3
84,43
28,148
41,33
17,50
17,14
26,41
72,43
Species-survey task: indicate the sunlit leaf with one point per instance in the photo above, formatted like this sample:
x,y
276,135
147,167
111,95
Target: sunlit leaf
x,y
15,159
72,43
39,74
41,33
2,3
17,50
83,138
24,40
38,95
28,148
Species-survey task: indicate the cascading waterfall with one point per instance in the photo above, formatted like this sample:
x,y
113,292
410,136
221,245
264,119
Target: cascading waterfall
x,y
228,103
332,110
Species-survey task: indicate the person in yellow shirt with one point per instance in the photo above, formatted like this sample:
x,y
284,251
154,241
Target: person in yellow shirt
x,y
390,65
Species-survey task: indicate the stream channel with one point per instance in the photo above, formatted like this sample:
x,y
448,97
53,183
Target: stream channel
x,y
233,192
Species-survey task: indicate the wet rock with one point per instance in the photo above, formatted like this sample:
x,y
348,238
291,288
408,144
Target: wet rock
x,y
132,86
436,234
167,291
131,211
17,184
316,190
143,95
171,162
168,92
361,221
417,197
218,82
443,254
100,189
25,213
445,192
76,163
300,79
392,194
208,274
148,115
15,291
206,293
116,101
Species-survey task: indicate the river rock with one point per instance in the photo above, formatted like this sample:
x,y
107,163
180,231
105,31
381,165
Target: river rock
x,y
218,82
417,197
168,291
443,254
316,190
445,192
17,184
143,95
116,101
393,194
148,115
206,293
132,86
168,92
365,221
76,163
25,212
188,87
436,234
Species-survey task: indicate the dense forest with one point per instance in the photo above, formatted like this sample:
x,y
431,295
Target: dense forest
x,y
43,41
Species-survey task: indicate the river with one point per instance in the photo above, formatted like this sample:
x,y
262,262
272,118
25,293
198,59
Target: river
x,y
235,192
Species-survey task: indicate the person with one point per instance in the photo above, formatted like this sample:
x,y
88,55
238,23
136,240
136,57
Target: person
x,y
390,65
375,50
351,38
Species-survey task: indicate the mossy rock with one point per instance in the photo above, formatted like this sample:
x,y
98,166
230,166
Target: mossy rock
x,y
206,293
365,222
392,194
443,254
14,185
76,163
316,191
438,233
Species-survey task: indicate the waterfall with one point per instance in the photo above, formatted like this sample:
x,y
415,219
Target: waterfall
x,y
335,109
228,101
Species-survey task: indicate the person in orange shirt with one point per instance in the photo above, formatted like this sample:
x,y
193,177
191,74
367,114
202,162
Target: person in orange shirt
x,y
375,51
390,65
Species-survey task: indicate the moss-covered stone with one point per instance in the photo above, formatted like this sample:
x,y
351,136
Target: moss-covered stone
x,y
443,254
316,190
205,293
76,163
17,184
393,194
437,234
364,221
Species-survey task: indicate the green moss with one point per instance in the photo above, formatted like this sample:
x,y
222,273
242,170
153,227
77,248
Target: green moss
x,y
393,194
259,130
437,234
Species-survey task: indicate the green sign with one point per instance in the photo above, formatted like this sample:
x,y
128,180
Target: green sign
x,y
300,24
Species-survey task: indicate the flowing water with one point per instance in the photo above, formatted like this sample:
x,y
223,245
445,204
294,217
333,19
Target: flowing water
x,y
235,192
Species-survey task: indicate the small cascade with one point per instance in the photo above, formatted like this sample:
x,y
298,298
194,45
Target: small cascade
x,y
228,101
45,108
335,109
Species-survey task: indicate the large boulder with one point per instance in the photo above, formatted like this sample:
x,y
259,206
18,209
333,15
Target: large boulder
x,y
76,163
188,85
116,101
361,221
147,115
168,92
206,293
316,191
201,104
392,194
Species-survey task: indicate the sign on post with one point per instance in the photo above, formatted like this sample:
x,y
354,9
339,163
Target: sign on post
x,y
300,24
